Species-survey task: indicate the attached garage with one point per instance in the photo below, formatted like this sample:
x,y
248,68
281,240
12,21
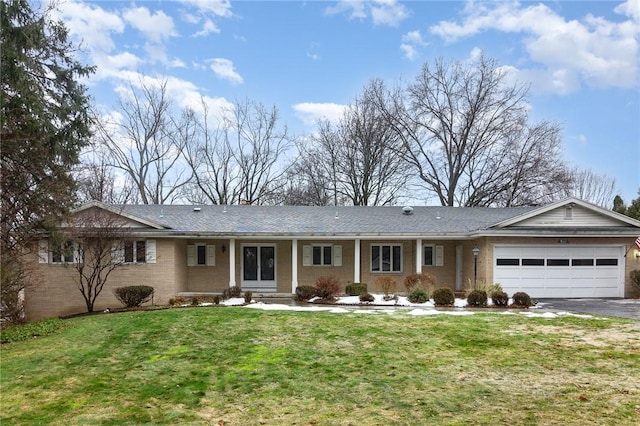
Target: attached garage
x,y
547,271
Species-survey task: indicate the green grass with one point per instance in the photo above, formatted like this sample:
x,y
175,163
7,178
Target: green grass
x,y
245,367
27,331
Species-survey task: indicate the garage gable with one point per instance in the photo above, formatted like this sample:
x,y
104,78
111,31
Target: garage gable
x,y
570,213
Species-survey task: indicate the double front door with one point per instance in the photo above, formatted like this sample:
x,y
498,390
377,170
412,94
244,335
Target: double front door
x,y
259,267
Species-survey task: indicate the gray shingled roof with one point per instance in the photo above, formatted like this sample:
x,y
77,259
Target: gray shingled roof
x,y
325,220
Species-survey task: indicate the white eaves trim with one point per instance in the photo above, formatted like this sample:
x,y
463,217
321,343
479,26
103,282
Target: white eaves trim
x,y
597,209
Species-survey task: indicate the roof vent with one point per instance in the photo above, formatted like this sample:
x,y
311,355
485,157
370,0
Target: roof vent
x,y
407,210
196,209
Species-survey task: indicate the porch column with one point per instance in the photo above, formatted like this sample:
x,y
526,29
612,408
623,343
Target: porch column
x,y
356,261
419,256
232,262
294,265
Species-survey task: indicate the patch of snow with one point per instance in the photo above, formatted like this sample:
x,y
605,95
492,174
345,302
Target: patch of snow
x,y
627,301
234,301
460,303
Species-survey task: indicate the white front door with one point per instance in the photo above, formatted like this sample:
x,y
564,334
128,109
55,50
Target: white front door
x,y
259,267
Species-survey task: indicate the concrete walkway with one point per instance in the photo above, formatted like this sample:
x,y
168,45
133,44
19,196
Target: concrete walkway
x,y
624,308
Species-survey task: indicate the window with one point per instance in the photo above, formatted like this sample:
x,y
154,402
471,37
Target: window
x,y
64,253
581,262
201,255
532,262
386,258
507,262
428,255
432,255
606,262
557,262
322,255
135,251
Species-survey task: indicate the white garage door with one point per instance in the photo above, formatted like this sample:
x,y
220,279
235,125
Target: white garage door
x,y
560,271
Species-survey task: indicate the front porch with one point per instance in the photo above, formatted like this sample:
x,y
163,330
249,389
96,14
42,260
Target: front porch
x,y
275,267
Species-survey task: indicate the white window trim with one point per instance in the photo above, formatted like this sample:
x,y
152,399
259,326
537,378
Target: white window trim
x,y
391,271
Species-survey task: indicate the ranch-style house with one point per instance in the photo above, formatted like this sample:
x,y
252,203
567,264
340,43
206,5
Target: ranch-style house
x,y
569,249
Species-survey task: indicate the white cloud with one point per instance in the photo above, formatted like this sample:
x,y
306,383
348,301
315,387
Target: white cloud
x,y
183,93
110,65
411,41
409,51
592,50
413,37
355,8
387,12
90,24
224,69
207,28
310,112
216,7
382,12
156,27
630,8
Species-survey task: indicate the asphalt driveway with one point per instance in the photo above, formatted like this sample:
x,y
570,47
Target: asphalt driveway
x,y
624,308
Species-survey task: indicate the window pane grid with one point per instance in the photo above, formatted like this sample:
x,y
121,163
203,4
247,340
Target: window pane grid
x,y
386,258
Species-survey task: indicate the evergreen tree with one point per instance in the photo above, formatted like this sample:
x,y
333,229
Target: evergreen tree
x,y
44,123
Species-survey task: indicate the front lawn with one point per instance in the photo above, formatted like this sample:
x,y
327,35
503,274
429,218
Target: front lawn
x,y
239,366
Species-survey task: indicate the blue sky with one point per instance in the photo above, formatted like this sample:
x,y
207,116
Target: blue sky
x,y
311,58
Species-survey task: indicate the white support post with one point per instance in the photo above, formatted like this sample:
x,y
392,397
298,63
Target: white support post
x,y
356,261
294,266
418,256
232,262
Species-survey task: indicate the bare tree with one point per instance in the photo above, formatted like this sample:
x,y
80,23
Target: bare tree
x,y
589,186
96,181
467,135
360,159
241,157
146,144
93,238
310,180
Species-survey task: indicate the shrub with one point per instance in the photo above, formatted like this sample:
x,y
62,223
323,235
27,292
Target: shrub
x,y
423,281
178,300
418,295
305,292
195,301
232,292
216,299
521,299
443,296
355,289
366,297
134,295
635,279
328,287
386,284
487,287
477,299
248,295
500,298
